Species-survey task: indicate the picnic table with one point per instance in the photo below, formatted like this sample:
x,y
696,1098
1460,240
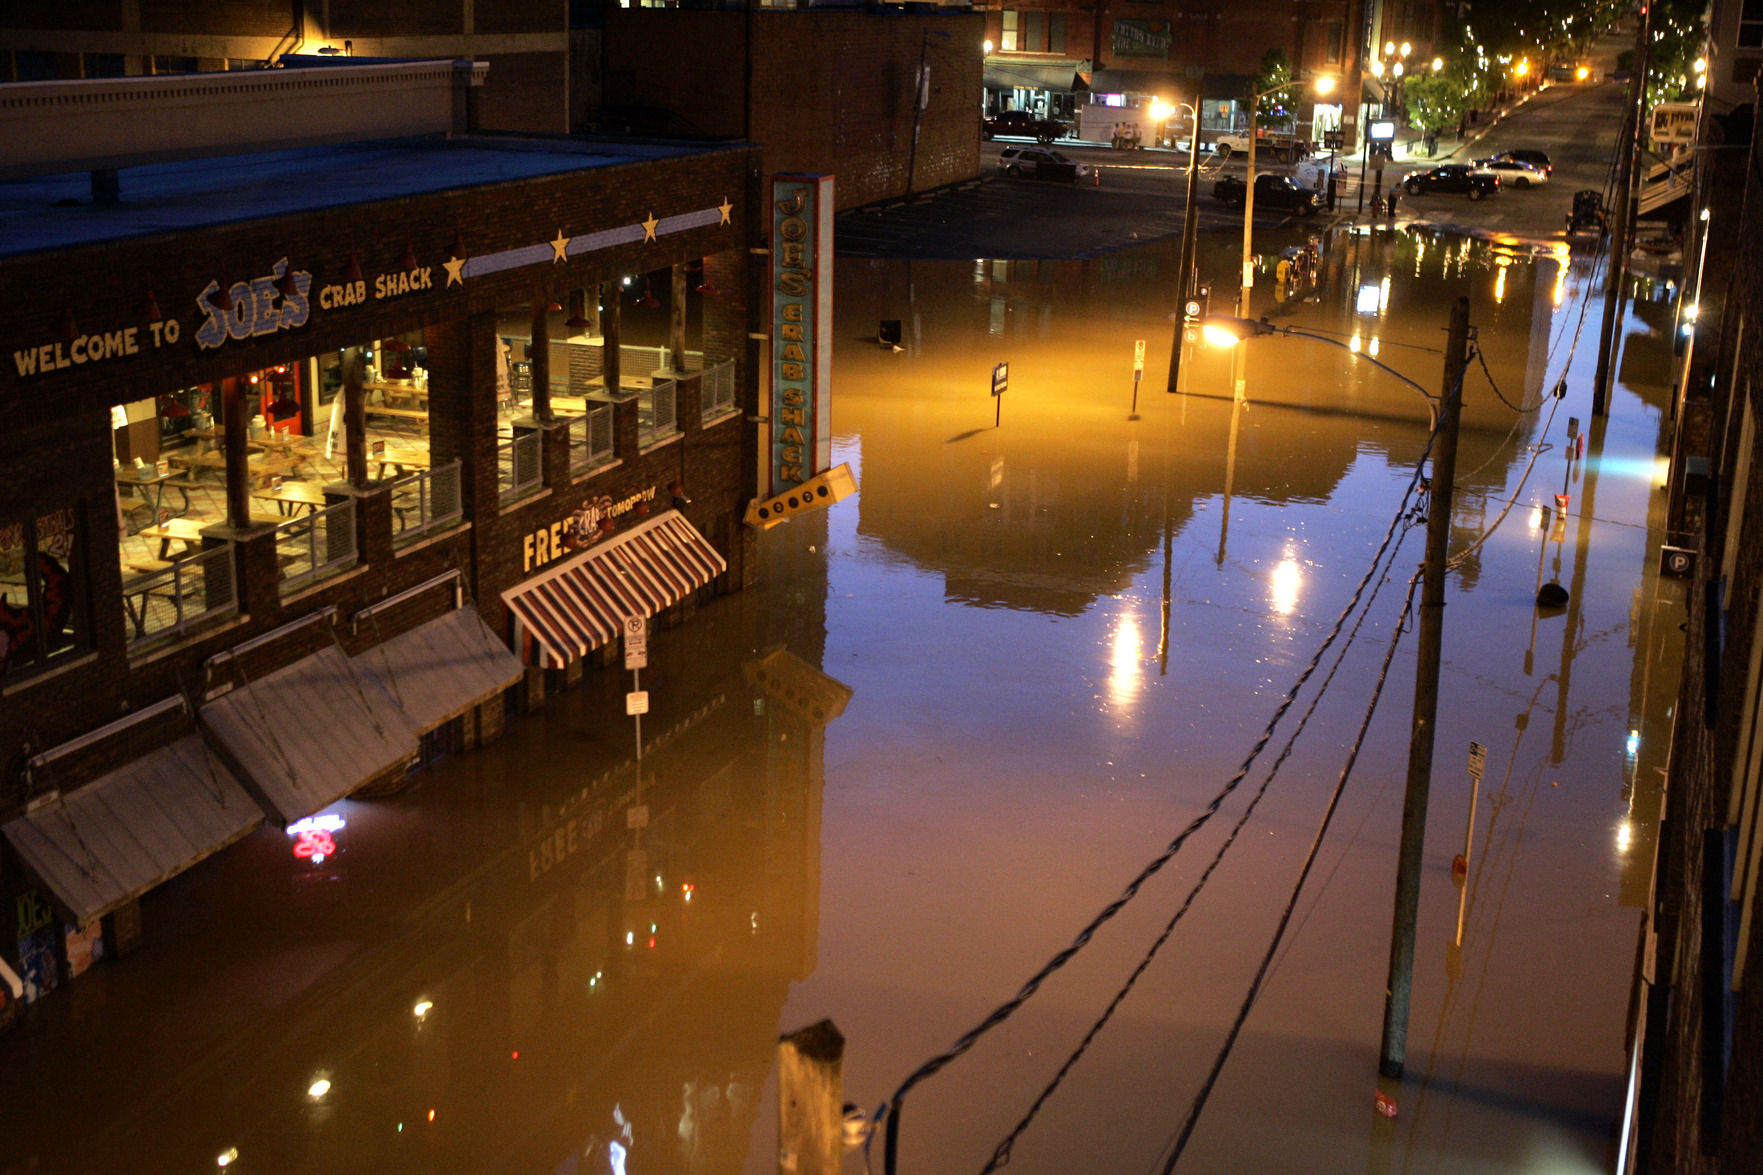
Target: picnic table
x,y
187,531
402,460
292,494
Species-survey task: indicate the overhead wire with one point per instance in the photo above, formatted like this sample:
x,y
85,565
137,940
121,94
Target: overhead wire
x,y
1002,1152
890,1109
1199,1103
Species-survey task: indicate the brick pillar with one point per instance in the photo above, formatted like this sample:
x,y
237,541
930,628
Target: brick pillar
x,y
462,424
610,320
676,320
541,356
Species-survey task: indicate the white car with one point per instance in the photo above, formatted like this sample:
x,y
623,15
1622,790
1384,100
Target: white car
x,y
1042,163
1513,173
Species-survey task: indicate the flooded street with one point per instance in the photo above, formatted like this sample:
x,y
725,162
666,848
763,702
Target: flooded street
x,y
961,712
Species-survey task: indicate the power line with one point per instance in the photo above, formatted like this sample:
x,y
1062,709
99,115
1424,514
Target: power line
x,y
1285,918
891,1108
1001,1154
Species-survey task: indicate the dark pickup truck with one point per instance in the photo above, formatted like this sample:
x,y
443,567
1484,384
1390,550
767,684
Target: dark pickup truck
x,y
1271,191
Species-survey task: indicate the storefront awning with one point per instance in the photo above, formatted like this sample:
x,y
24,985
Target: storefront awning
x,y
111,840
439,670
311,733
575,608
1061,77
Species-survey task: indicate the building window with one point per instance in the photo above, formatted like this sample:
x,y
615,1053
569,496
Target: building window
x,y
1034,32
1008,37
1056,32
1331,42
41,604
1751,25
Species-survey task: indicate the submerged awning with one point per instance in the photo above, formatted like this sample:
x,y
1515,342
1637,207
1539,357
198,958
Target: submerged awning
x,y
311,733
1061,77
110,841
573,609
439,670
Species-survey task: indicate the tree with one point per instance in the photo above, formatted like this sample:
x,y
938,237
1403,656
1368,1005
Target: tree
x,y
1276,71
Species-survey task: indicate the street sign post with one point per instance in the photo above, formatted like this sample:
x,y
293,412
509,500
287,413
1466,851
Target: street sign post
x,y
636,642
1000,385
1138,371
636,657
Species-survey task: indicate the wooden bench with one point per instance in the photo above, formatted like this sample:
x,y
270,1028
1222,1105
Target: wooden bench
x,y
388,410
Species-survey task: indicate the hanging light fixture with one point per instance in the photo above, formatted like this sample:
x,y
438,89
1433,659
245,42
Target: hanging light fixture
x,y
408,261
456,250
286,285
150,307
67,328
352,271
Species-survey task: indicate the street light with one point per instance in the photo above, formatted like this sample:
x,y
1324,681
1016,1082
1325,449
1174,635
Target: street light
x,y
1227,330
1322,86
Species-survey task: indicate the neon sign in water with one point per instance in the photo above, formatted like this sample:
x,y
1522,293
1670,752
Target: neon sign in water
x,y
313,836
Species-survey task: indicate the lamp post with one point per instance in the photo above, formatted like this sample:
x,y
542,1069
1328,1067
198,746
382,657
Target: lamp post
x,y
1322,86
1189,231
1426,674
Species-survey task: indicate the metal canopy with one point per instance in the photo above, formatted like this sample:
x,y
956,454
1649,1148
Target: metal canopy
x,y
110,841
1061,77
311,733
575,608
439,670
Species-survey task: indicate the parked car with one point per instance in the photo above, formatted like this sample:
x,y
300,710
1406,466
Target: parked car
x,y
1511,171
1537,159
1041,163
1271,191
1024,124
1453,177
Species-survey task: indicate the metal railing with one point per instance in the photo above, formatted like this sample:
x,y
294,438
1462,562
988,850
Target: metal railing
x,y
590,439
196,588
518,470
426,502
656,416
318,546
717,391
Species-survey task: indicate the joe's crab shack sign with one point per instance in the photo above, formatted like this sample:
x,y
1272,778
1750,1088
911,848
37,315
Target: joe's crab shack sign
x,y
801,327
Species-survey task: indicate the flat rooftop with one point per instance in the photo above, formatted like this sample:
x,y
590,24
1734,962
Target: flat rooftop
x,y
57,212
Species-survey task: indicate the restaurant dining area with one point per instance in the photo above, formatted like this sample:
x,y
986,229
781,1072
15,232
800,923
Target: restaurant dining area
x,y
172,469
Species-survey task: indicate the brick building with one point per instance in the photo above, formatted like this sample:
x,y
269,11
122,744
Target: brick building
x,y
526,43
820,90
1697,1086
320,459
1130,53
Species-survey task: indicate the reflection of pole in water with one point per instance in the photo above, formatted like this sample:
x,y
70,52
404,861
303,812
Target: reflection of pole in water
x,y
1575,608
1168,545
1230,453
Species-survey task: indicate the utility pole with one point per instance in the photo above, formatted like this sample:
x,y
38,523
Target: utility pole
x,y
1616,265
1184,285
1426,699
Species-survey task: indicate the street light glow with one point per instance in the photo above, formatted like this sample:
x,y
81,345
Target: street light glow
x,y
1438,63
1324,85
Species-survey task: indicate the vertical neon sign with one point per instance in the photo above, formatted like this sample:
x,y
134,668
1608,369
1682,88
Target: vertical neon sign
x,y
801,328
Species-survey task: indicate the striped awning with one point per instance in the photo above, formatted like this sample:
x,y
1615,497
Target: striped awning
x,y
574,608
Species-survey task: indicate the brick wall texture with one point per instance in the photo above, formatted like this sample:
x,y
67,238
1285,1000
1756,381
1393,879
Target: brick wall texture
x,y
829,91
1702,1094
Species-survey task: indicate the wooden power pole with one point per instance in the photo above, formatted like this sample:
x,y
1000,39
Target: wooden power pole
x,y
1426,698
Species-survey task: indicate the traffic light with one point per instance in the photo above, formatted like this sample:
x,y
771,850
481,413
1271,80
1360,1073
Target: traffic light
x,y
823,489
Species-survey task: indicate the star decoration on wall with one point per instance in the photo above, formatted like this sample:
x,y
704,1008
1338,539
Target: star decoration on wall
x,y
558,246
725,208
453,266
649,227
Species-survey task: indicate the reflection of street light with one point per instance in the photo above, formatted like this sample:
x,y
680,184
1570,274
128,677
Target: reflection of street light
x,y
1322,86
1225,330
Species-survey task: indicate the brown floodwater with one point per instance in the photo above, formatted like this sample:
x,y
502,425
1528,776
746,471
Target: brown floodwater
x,y
961,712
